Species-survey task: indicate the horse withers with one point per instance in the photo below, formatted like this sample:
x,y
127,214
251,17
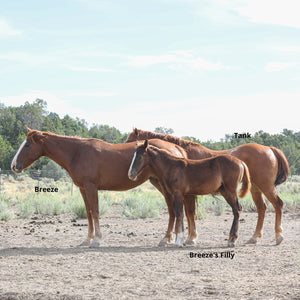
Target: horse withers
x,y
180,176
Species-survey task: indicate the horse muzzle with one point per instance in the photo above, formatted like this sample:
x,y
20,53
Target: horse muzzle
x,y
132,176
17,169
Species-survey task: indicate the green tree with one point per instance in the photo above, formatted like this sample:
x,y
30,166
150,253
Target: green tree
x,y
106,133
164,130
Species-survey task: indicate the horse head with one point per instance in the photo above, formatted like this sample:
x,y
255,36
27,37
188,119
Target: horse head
x,y
29,151
138,161
133,136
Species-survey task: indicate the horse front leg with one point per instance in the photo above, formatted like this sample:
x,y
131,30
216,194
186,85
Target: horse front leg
x,y
90,236
92,198
168,238
179,229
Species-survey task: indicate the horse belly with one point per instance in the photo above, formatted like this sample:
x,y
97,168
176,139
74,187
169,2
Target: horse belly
x,y
205,186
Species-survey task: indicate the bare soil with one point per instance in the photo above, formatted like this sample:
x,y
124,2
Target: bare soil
x,y
39,259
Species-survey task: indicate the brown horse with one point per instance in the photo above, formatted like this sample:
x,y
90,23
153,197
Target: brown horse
x,y
180,176
268,167
92,164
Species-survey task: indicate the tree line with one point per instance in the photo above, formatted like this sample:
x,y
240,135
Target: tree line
x,y
35,116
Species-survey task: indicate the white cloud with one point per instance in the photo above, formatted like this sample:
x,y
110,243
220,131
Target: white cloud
x,y
280,12
7,30
278,66
292,49
178,59
88,69
91,94
206,118
61,104
296,78
148,60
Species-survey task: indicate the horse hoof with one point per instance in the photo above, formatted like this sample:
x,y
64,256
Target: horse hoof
x,y
179,239
165,241
178,243
279,238
85,243
95,243
252,241
231,244
190,241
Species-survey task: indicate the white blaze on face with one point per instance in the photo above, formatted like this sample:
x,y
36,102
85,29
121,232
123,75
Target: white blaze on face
x,y
14,161
132,162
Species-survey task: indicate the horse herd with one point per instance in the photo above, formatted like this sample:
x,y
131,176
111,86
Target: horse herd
x,y
179,169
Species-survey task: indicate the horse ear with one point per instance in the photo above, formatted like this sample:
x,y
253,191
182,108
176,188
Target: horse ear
x,y
38,136
28,129
136,131
146,144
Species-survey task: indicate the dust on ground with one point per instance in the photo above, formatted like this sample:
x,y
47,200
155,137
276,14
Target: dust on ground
x,y
39,259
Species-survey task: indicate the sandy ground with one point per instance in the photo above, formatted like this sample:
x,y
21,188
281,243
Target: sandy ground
x,y
39,259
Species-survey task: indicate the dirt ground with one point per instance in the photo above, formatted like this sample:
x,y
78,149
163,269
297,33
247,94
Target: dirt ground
x,y
39,259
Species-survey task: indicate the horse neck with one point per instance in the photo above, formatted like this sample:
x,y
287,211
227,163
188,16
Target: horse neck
x,y
193,150
60,149
159,162
197,151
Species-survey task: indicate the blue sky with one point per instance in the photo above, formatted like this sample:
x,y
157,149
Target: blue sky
x,y
201,67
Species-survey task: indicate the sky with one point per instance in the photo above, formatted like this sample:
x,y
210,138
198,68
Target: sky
x,y
204,68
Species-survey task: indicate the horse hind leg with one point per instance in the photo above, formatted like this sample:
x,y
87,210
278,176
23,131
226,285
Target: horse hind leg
x,y
278,206
232,200
189,206
261,210
233,235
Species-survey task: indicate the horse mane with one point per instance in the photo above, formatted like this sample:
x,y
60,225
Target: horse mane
x,y
166,153
34,131
143,134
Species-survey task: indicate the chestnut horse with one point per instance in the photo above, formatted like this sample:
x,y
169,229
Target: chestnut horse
x,y
92,164
180,176
267,166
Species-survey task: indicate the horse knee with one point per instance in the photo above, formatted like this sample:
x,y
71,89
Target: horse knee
x,y
239,207
178,203
279,203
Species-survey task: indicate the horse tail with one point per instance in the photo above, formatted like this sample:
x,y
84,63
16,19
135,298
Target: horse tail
x,y
246,184
283,166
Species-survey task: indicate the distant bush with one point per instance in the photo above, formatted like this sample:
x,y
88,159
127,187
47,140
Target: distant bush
x,y
40,204
5,213
141,205
77,207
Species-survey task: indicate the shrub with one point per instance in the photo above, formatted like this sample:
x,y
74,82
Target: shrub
x,y
40,204
5,213
77,206
26,209
201,208
141,205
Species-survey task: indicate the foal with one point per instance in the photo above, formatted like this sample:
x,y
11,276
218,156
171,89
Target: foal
x,y
180,176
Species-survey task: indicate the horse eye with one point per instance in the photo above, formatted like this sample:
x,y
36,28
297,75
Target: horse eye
x,y
26,145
